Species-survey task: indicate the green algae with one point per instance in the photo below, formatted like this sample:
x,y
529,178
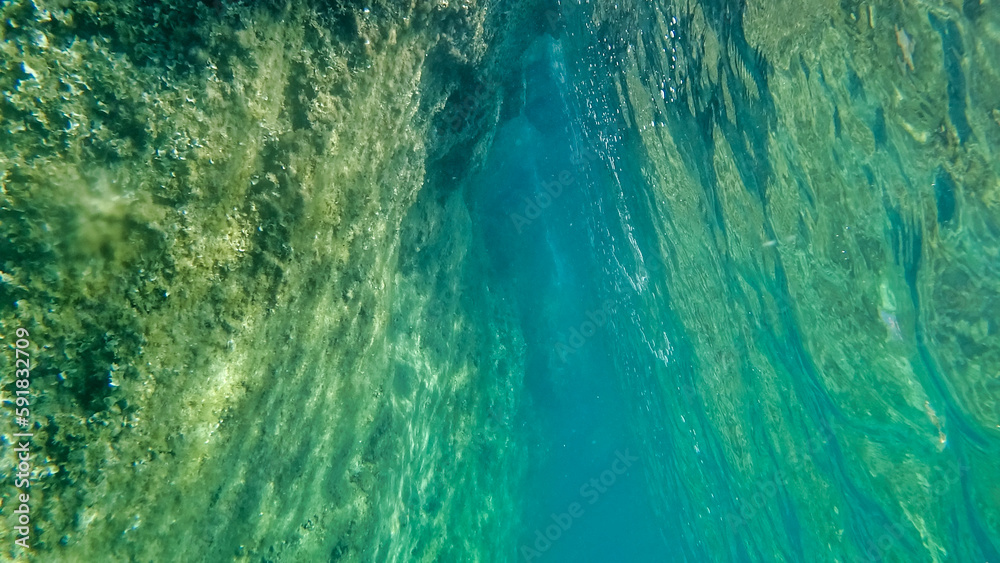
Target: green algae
x,y
837,303
206,223
261,323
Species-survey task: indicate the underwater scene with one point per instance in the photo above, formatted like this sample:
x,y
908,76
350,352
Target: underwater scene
x,y
500,281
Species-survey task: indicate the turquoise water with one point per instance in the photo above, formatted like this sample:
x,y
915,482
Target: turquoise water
x,y
603,280
583,496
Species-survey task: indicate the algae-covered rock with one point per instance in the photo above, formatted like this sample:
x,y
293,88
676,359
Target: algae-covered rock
x,y
823,180
203,220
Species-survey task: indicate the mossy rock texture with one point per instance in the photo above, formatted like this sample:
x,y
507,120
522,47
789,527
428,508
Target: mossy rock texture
x,y
211,215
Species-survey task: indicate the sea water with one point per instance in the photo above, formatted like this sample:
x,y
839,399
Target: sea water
x,y
604,280
583,498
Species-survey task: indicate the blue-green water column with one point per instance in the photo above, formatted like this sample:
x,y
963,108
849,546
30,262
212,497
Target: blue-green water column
x,y
583,498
